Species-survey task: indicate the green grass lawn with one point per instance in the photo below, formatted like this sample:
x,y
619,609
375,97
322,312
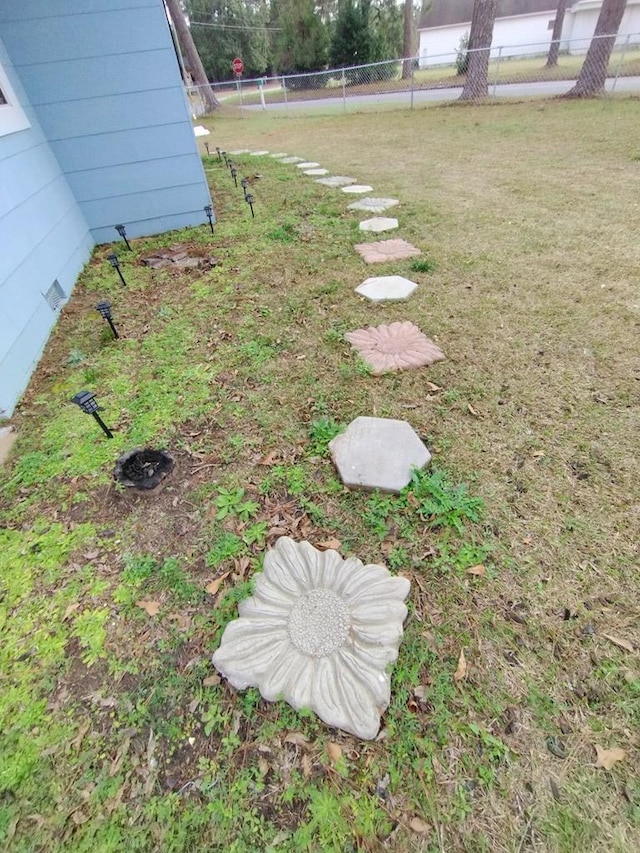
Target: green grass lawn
x,y
116,732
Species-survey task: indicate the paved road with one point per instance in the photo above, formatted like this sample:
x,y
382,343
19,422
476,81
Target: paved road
x,y
542,89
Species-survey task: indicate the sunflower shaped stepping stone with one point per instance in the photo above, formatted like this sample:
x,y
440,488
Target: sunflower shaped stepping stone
x,y
386,288
336,181
386,250
320,632
378,223
398,346
378,453
357,188
373,205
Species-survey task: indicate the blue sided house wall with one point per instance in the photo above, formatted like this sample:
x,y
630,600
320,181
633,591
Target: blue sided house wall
x,y
109,141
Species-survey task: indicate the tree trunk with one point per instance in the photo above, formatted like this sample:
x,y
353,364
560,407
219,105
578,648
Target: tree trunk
x,y
193,57
554,48
593,73
476,86
407,40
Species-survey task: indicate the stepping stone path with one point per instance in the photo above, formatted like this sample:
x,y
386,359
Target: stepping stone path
x,y
374,205
386,250
316,171
378,453
307,165
378,223
357,188
292,160
386,288
336,181
239,151
258,153
398,346
279,154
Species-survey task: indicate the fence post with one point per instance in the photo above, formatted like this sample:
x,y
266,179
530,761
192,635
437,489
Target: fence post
x,y
344,91
413,65
239,85
284,90
620,63
495,82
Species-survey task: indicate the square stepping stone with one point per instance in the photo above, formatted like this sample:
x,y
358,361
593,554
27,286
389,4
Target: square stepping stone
x,y
316,171
292,160
306,165
258,153
386,288
378,223
336,181
398,346
386,250
357,188
374,205
378,453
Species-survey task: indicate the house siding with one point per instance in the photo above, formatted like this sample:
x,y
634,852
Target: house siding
x,y
104,82
44,237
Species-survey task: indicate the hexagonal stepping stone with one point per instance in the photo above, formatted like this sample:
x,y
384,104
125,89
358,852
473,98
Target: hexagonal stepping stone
x,y
258,153
398,346
292,160
336,181
378,453
386,250
386,288
378,223
316,171
374,205
307,165
357,188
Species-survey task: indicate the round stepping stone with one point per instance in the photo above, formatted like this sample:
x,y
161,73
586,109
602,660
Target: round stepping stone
x,y
320,632
357,188
258,153
386,250
386,288
336,181
307,165
378,453
292,160
374,205
398,346
316,171
378,223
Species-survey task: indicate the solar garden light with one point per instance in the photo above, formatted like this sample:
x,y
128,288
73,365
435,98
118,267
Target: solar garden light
x,y
115,263
104,309
208,209
122,231
87,402
226,159
244,183
206,145
249,199
219,154
234,175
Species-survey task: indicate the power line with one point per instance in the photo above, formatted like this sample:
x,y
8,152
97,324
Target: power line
x,y
233,26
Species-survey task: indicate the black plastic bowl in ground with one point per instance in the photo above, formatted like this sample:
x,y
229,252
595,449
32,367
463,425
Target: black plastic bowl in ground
x,y
143,468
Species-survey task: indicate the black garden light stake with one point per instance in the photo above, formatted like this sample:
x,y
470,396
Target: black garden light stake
x,y
206,145
208,209
104,309
87,402
115,263
249,199
219,154
226,159
244,183
122,231
234,175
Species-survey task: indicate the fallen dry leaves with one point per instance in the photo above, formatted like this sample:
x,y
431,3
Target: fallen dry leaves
x,y
461,672
608,757
151,607
329,545
479,570
623,644
418,825
334,751
213,587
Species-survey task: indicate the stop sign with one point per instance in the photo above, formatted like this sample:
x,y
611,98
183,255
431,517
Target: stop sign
x,y
238,65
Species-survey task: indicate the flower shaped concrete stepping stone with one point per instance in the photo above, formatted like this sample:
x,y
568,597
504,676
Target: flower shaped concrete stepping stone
x,y
398,346
357,188
320,632
378,223
386,288
292,160
336,181
316,171
386,250
258,153
378,453
374,205
307,165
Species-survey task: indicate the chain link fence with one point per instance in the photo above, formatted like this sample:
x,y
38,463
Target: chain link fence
x,y
514,71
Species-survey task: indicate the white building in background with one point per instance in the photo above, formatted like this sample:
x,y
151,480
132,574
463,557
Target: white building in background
x,y
521,28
